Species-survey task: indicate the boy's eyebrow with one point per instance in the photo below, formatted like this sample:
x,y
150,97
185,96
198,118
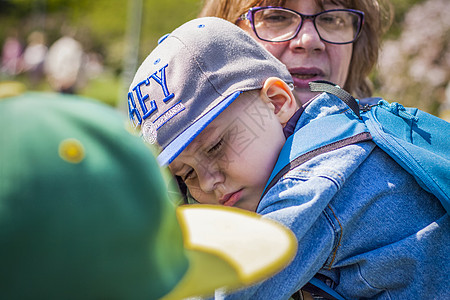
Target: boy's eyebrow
x,y
176,168
204,136
202,139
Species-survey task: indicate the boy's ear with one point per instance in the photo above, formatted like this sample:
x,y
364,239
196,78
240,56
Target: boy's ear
x,y
279,94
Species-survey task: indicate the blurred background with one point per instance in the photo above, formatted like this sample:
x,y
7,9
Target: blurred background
x,y
93,48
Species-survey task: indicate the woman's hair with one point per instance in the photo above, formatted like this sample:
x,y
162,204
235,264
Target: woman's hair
x,y
377,19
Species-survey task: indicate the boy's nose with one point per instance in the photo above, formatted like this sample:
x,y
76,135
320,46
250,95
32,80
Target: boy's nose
x,y
307,38
210,177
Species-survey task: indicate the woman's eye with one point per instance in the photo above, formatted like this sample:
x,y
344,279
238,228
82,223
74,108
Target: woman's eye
x,y
331,20
328,19
274,18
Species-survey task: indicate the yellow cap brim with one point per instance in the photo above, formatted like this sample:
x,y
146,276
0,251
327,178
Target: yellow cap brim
x,y
229,248
11,89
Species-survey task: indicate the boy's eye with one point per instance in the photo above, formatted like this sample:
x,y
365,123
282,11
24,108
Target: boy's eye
x,y
189,175
216,148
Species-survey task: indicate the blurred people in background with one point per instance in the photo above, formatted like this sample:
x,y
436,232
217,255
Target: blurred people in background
x,y
11,55
34,57
64,65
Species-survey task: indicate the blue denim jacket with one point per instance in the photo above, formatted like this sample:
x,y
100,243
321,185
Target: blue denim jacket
x,y
361,220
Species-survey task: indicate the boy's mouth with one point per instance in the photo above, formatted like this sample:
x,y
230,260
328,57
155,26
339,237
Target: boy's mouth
x,y
230,199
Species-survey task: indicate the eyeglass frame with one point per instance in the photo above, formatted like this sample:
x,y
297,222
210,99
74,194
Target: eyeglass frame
x,y
250,13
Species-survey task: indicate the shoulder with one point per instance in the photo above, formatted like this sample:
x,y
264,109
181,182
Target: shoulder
x,y
335,165
317,178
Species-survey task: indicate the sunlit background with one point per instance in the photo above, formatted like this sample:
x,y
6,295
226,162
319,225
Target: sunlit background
x,y
104,41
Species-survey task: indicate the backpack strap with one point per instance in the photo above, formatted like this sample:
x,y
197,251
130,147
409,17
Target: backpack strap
x,y
307,143
329,87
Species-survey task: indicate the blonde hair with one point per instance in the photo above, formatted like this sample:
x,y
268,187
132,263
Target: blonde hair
x,y
378,16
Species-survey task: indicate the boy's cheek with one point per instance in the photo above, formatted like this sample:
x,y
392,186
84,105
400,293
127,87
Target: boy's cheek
x,y
260,113
240,136
200,196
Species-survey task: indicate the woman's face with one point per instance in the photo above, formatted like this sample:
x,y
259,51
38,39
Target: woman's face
x,y
307,57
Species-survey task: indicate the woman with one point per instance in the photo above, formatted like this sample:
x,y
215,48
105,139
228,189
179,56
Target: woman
x,y
307,45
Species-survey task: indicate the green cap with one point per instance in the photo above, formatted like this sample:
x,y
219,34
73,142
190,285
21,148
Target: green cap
x,y
84,214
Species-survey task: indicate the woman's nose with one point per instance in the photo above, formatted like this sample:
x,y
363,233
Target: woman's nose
x,y
307,39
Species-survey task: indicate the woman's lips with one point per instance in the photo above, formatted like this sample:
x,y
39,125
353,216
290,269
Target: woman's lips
x,y
230,199
303,76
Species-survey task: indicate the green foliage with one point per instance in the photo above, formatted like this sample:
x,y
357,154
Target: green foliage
x,y
161,17
104,88
400,9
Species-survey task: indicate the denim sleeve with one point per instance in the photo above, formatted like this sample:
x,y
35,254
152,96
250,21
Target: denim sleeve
x,y
316,240
300,201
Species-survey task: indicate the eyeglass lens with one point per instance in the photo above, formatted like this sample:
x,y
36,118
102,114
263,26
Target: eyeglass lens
x,y
277,25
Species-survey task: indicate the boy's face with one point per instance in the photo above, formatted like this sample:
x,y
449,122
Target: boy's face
x,y
230,161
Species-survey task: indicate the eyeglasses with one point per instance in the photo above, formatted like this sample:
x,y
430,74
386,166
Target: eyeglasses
x,y
279,24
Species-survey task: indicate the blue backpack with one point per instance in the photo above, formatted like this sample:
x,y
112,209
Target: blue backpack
x,y
416,140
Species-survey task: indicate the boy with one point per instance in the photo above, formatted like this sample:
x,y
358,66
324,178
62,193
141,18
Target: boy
x,y
85,214
219,106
